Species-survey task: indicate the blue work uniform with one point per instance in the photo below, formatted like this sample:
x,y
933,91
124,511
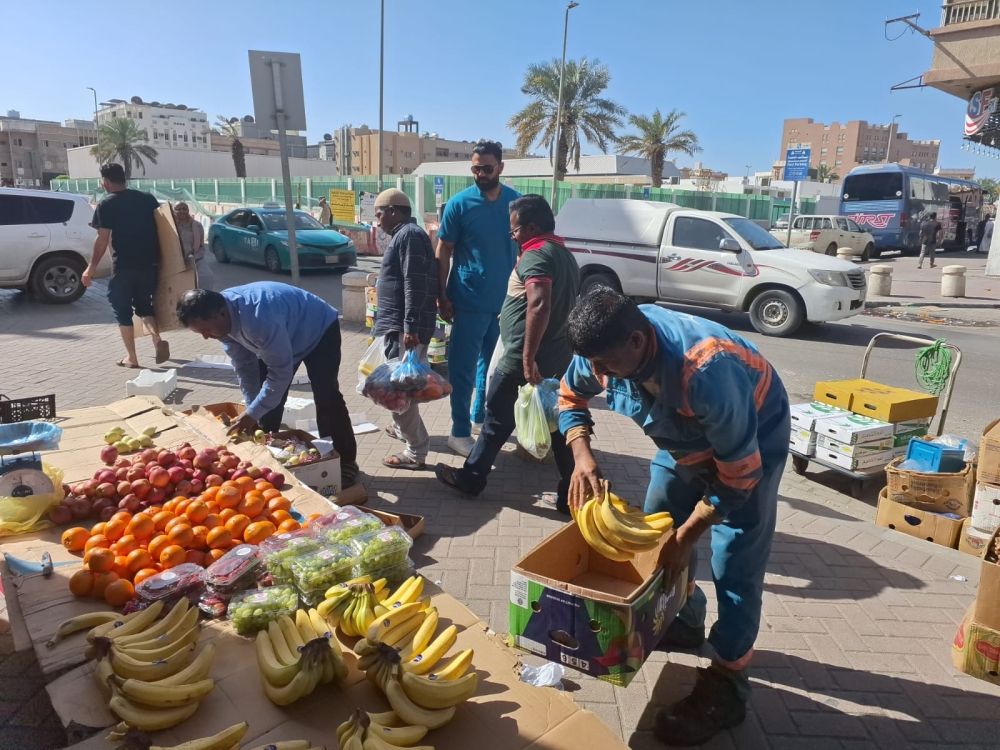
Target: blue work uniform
x,y
481,264
718,413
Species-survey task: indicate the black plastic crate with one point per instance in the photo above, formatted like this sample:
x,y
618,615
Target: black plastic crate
x,y
27,409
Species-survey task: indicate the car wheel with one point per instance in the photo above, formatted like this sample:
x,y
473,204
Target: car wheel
x,y
271,260
599,279
57,280
775,312
219,251
832,249
870,253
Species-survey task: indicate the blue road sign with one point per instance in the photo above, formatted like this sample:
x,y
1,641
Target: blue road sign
x,y
796,165
438,190
645,193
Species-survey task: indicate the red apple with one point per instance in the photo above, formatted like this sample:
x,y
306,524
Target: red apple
x,y
197,487
186,463
156,496
149,455
123,488
218,468
187,453
214,480
106,475
141,488
199,474
176,474
150,466
183,488
134,474
81,509
165,458
105,489
277,479
202,461
106,513
253,471
158,477
121,474
69,500
129,503
122,461
168,489
60,515
102,502
230,461
239,473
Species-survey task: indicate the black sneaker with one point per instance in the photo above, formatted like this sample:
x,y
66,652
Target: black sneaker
x,y
713,705
681,637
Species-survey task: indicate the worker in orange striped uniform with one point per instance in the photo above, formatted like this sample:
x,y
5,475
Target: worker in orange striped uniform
x,y
718,413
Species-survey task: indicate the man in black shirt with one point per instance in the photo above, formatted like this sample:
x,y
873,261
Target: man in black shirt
x,y
931,233
126,216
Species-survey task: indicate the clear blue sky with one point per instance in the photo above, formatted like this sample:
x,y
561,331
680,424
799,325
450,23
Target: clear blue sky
x,y
735,67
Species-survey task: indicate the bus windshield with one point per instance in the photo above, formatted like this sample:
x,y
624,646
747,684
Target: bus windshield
x,y
876,186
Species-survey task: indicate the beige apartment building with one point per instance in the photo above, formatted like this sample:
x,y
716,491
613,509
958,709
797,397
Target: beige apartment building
x,y
403,151
33,152
843,146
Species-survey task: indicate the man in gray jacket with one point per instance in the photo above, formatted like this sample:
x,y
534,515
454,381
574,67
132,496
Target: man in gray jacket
x,y
407,312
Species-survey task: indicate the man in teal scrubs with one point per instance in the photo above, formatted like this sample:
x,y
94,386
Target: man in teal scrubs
x,y
475,232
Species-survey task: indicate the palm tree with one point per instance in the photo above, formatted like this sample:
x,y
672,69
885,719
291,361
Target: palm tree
x,y
227,127
121,140
990,186
657,137
584,110
825,174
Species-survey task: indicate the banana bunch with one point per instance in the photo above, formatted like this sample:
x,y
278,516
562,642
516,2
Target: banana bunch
x,y
401,655
385,731
83,622
227,739
148,670
351,605
618,530
294,656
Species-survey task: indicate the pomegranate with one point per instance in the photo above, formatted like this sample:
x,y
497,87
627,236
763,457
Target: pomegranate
x,y
141,488
168,489
81,509
107,512
102,502
60,515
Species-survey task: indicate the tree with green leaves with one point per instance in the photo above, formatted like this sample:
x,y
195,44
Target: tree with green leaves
x,y
228,127
585,112
990,187
121,140
825,174
657,137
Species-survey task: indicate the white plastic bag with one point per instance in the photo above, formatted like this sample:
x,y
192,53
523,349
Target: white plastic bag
x,y
372,359
531,422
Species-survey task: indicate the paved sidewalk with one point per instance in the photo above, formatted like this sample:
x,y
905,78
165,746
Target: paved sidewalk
x,y
912,285
854,650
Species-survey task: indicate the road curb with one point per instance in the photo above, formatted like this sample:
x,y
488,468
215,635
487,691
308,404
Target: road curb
x,y
872,304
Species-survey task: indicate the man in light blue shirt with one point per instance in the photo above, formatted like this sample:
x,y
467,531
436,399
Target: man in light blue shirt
x,y
475,230
268,329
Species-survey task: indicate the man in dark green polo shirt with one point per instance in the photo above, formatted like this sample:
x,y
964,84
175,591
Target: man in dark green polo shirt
x,y
541,293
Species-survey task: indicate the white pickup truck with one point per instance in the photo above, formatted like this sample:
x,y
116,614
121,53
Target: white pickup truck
x,y
663,252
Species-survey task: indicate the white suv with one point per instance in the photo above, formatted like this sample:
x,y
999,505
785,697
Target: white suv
x,y
46,242
826,234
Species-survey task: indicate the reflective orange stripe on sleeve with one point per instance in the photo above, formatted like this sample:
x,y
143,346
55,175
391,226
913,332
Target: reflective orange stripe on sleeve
x,y
704,351
696,458
735,470
570,399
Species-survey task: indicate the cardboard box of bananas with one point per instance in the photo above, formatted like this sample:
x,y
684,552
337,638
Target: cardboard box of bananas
x,y
618,530
127,738
149,670
401,655
295,656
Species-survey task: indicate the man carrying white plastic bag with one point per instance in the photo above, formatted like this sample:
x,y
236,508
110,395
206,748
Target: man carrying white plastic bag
x,y
540,295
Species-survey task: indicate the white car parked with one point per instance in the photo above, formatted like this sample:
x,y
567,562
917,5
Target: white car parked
x,y
46,242
662,252
825,234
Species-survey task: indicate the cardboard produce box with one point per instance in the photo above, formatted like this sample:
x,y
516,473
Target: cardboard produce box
x,y
321,476
942,493
989,454
802,441
972,541
917,523
804,416
875,400
175,277
571,605
986,508
988,596
854,428
976,649
915,426
231,409
855,450
865,463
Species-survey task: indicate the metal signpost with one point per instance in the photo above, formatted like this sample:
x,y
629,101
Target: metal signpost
x,y
438,191
796,170
276,83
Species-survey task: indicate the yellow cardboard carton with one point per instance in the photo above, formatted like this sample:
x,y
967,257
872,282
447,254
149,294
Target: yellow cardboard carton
x,y
976,649
875,400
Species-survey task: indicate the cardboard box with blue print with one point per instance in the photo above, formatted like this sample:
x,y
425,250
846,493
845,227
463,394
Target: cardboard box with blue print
x,y
926,525
571,605
322,475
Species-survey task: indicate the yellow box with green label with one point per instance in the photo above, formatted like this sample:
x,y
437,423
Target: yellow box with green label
x,y
875,400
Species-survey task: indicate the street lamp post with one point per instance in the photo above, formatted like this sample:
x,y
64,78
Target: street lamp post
x,y
381,98
558,134
889,144
95,105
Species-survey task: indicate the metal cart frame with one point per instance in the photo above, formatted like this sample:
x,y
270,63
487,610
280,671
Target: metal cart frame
x,y
800,461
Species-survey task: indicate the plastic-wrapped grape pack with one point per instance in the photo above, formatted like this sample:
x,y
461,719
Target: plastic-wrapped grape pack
x,y
381,549
343,532
278,551
253,610
317,571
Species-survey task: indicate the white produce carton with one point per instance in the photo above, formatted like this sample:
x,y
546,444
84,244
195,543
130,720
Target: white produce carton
x,y
853,428
804,416
149,383
856,449
802,441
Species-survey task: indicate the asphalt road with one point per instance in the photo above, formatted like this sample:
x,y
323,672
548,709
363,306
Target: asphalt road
x,y
832,351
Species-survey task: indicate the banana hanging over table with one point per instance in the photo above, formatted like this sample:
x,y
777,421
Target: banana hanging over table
x,y
122,626
81,622
224,740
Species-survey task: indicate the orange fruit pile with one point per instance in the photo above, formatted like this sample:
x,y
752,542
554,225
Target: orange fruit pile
x,y
127,549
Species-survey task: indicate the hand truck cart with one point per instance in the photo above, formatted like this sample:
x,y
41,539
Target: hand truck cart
x,y
800,461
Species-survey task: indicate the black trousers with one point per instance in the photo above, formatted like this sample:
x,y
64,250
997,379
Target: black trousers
x,y
323,366
497,428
